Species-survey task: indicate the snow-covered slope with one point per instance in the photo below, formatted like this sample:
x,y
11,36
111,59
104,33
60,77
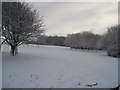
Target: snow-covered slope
x,y
58,67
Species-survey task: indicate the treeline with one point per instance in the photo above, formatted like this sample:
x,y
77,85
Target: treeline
x,y
90,41
85,40
55,40
48,40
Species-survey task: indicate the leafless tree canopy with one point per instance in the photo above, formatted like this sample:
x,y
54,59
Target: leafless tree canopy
x,y
19,23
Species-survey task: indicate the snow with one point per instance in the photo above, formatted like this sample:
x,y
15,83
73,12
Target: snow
x,y
0,70
58,67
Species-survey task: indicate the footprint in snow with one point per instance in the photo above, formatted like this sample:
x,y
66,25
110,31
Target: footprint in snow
x,y
79,83
31,76
10,76
36,78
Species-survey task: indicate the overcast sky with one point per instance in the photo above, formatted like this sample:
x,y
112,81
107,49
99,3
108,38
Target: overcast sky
x,y
62,18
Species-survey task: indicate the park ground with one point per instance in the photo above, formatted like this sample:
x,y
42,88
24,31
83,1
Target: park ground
x,y
58,67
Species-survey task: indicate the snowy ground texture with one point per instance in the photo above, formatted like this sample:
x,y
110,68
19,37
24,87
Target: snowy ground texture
x,y
58,67
0,70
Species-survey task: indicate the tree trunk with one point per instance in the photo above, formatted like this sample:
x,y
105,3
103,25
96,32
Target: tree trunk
x,y
14,50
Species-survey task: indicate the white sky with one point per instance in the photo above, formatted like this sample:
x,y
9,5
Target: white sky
x,y
62,18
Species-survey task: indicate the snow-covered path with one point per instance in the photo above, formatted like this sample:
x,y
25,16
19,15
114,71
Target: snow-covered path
x,y
58,67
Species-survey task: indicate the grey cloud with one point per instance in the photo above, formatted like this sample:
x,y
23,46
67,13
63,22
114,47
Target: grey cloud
x,y
65,18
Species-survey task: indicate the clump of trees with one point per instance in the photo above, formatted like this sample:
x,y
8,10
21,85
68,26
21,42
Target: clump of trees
x,y
84,40
87,40
20,23
110,41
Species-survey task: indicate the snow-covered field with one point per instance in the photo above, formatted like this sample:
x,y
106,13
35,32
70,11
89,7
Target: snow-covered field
x,y
58,67
0,70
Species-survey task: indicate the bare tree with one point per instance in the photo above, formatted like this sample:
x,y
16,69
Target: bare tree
x,y
19,23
